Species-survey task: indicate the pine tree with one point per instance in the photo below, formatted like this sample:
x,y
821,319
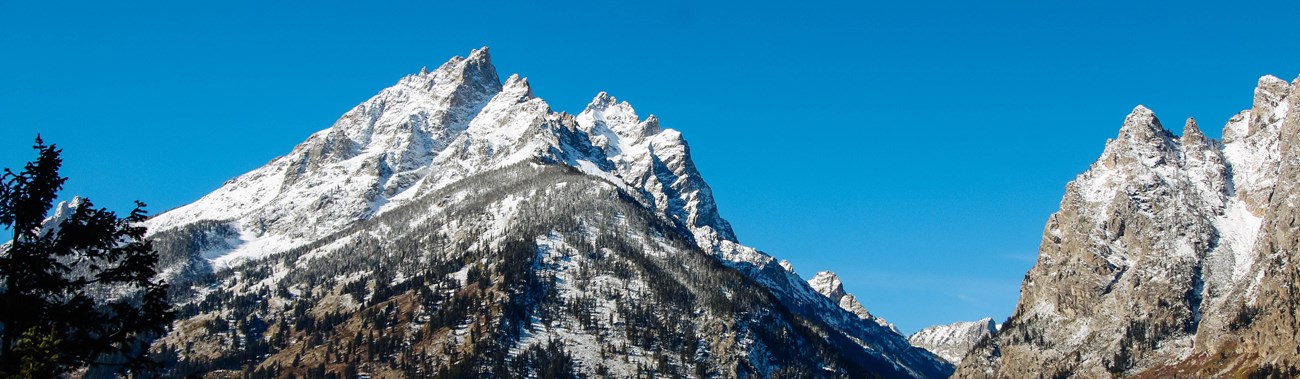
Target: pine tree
x,y
76,294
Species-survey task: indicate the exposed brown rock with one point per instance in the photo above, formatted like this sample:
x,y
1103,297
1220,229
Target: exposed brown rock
x,y
1170,257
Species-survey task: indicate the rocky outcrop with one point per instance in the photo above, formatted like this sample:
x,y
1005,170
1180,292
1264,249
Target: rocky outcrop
x,y
1169,255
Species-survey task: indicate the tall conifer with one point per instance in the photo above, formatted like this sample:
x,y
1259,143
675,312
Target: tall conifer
x,y
77,291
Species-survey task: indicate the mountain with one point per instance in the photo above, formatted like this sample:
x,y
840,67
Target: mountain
x,y
1171,256
453,225
953,341
828,284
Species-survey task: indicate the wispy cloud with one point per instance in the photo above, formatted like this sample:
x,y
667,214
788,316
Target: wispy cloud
x,y
1023,258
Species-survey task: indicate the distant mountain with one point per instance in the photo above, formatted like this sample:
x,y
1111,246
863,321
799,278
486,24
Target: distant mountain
x,y
828,284
1172,256
953,341
455,226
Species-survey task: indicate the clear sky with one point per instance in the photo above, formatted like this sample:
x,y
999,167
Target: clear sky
x,y
914,147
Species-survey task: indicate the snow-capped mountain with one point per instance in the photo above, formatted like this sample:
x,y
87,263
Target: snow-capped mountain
x,y
1170,256
483,234
953,341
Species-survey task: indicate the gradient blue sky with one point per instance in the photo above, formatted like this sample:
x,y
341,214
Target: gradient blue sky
x,y
914,147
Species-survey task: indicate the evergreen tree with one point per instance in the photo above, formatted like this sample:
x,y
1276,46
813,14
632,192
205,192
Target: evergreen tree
x,y
76,294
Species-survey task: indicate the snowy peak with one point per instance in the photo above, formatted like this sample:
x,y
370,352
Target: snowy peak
x,y
605,110
1268,107
1270,93
1251,143
828,284
412,119
517,87
1141,125
61,212
954,341
370,156
477,65
1142,144
616,122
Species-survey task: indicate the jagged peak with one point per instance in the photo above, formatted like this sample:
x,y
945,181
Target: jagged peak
x,y
785,265
827,275
61,212
932,331
651,125
516,84
1141,124
478,64
480,55
1192,133
619,117
1270,81
602,100
603,103
992,326
64,207
475,72
828,284
1269,91
449,64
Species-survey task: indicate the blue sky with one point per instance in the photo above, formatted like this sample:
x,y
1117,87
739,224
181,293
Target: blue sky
x,y
914,147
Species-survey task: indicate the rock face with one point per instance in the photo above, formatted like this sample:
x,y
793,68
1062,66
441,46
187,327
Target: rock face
x,y
954,341
1169,256
455,225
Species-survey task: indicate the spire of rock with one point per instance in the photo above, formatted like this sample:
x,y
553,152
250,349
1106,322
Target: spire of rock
x,y
651,125
1141,124
480,54
601,101
619,117
1192,133
1269,93
518,86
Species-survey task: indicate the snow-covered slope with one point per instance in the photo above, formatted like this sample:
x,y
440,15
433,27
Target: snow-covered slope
x,y
458,138
436,127
953,341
